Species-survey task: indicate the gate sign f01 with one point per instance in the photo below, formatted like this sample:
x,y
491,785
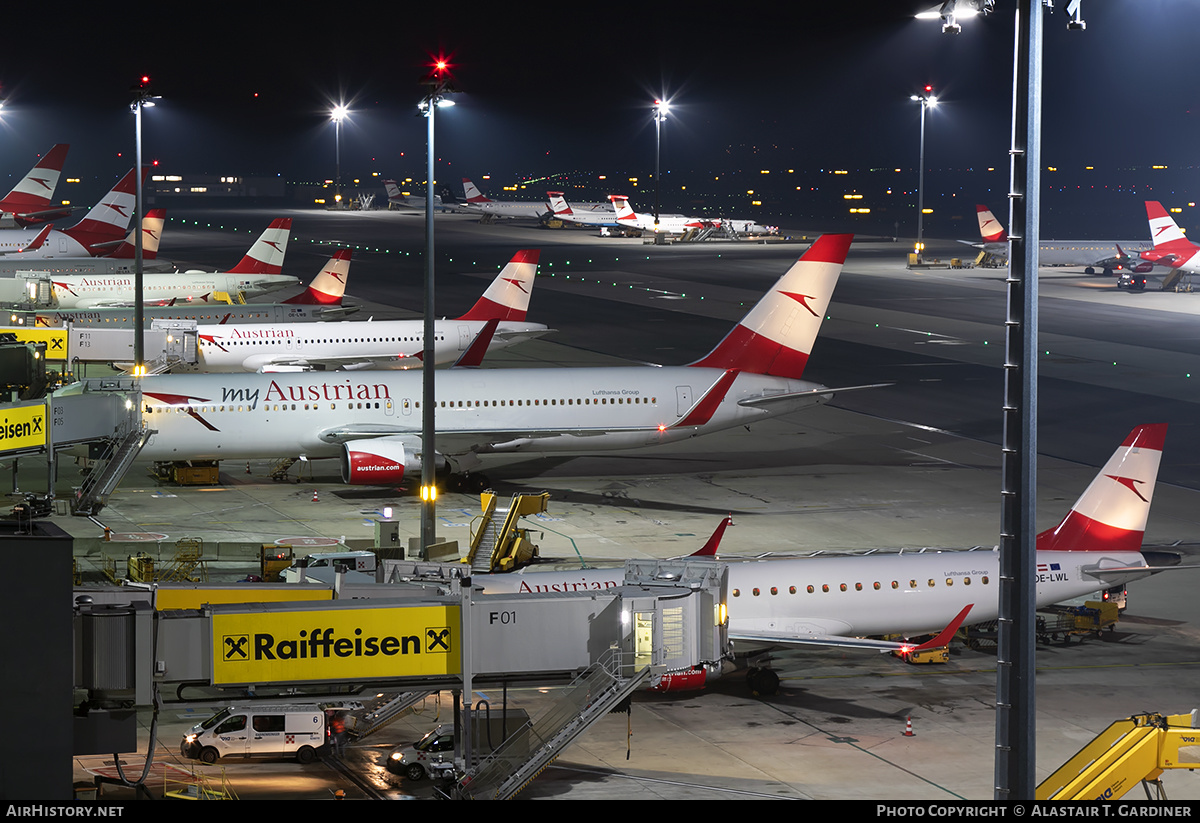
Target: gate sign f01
x,y
334,644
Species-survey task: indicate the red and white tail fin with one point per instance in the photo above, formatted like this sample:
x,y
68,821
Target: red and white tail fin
x,y
558,204
472,194
777,335
989,227
393,191
508,296
1110,516
329,286
1165,232
34,191
110,217
152,226
709,549
266,255
625,213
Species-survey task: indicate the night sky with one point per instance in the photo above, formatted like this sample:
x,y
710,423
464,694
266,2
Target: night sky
x,y
567,88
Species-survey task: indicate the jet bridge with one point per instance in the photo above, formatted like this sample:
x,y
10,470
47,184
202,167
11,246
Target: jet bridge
x,y
428,630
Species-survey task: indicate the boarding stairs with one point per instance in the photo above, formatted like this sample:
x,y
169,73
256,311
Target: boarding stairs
x,y
589,698
1136,749
122,450
497,544
370,721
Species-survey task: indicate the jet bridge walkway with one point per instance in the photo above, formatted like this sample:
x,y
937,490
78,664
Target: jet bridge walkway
x,y
1136,749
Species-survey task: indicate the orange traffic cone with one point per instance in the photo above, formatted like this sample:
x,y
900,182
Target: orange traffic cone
x,y
315,498
908,732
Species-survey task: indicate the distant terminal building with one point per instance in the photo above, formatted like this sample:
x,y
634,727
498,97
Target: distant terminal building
x,y
162,188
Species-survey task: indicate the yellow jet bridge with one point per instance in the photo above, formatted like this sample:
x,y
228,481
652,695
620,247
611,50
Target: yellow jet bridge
x,y
1138,748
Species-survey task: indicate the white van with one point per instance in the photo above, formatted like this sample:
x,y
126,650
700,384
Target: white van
x,y
360,565
258,731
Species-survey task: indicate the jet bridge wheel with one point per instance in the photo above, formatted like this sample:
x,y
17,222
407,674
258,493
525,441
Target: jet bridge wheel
x,y
762,682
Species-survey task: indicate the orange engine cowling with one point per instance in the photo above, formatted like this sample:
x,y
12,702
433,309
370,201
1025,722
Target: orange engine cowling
x,y
377,462
689,681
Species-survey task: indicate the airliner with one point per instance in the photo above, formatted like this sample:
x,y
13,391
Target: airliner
x,y
1092,254
120,260
321,300
398,198
100,231
257,273
669,223
475,201
371,421
379,344
28,204
584,217
1171,247
846,600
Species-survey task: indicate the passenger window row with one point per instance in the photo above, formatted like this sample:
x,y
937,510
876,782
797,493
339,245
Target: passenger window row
x,y
858,587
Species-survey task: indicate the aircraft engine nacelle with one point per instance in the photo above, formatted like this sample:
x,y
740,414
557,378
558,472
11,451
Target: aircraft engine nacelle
x,y
689,681
378,462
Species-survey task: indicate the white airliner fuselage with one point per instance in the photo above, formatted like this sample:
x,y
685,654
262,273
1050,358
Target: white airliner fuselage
x,y
79,291
369,344
211,417
816,597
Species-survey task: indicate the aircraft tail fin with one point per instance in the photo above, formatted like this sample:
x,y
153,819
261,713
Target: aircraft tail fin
x,y
152,226
266,255
36,188
393,191
472,194
329,286
1110,515
625,213
777,335
507,298
1165,232
110,217
989,227
558,204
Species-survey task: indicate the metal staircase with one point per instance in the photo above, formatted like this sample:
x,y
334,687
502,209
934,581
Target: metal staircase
x,y
497,544
368,722
90,497
591,696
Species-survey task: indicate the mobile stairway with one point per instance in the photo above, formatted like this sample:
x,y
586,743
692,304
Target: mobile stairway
x,y
1136,749
497,544
523,756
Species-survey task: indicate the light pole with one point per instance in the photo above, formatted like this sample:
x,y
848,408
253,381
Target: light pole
x,y
337,115
141,99
433,100
661,107
927,100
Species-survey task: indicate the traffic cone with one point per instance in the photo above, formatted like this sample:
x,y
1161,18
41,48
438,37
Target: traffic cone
x,y
315,498
908,732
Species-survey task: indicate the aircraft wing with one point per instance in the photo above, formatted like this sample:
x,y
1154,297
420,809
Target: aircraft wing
x,y
309,362
814,396
781,638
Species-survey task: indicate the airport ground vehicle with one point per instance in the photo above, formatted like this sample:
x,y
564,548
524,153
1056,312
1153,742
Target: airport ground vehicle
x,y
433,754
1132,281
318,567
258,731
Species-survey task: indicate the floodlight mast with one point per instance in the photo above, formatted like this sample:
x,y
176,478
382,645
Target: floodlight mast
x,y
438,83
1015,694
141,99
337,114
661,107
928,100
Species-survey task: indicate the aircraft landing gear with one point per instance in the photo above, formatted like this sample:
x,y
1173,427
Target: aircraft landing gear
x,y
762,682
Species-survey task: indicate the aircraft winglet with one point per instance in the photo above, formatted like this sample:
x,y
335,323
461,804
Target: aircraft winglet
x,y
473,356
709,549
